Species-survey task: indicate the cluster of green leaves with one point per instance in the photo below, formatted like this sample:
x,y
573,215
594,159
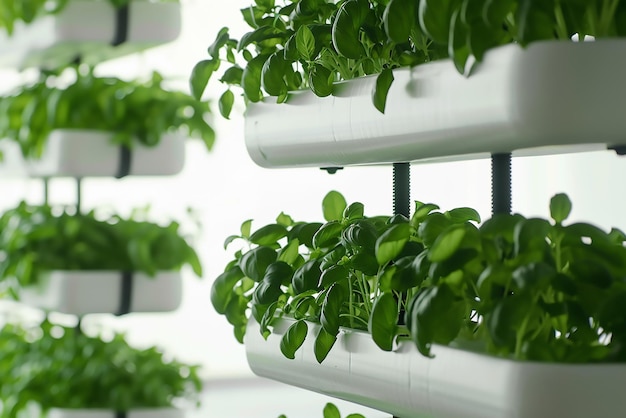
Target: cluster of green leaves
x,y
133,111
342,273
58,367
37,239
314,43
331,411
526,288
515,287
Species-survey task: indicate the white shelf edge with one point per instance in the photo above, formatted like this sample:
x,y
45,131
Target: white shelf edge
x,y
81,153
88,292
86,28
97,413
551,97
455,384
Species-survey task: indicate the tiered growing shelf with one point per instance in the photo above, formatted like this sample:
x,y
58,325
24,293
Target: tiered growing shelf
x,y
91,30
94,31
552,97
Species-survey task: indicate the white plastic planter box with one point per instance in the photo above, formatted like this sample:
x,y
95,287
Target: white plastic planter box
x,y
79,153
86,28
86,292
455,384
140,413
553,94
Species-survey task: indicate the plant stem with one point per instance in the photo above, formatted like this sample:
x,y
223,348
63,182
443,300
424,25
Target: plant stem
x,y
606,17
561,26
519,337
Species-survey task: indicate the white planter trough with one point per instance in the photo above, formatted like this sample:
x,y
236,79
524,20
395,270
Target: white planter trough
x,y
86,29
139,413
455,384
86,292
551,97
80,153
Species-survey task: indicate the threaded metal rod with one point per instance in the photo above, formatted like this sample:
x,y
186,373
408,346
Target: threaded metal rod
x,y
501,183
401,189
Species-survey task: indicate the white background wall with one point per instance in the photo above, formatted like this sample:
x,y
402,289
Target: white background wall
x,y
226,188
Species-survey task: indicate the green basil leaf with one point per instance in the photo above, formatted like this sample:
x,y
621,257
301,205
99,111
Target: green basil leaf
x,y
320,80
406,273
305,43
269,289
323,344
306,277
331,308
398,19
333,206
289,253
421,211
259,35
200,76
530,235
293,339
232,75
254,263
390,244
251,78
305,232
506,318
346,27
461,215
447,243
381,89
428,311
268,235
332,275
458,46
383,321
273,74
354,211
331,411
220,40
560,207
226,101
245,228
434,18
327,235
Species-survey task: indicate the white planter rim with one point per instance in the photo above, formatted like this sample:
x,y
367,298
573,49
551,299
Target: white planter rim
x,y
91,153
525,101
87,28
81,292
455,384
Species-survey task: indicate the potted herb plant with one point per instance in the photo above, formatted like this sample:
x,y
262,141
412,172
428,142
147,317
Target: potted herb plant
x,y
452,78
522,315
68,374
80,129
83,263
51,34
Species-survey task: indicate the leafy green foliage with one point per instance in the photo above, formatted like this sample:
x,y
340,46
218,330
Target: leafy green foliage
x,y
133,111
13,11
331,411
37,239
314,43
523,288
57,367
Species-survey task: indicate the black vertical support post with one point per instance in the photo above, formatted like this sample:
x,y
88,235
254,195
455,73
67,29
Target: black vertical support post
x,y
401,204
78,328
401,189
79,194
46,190
501,183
